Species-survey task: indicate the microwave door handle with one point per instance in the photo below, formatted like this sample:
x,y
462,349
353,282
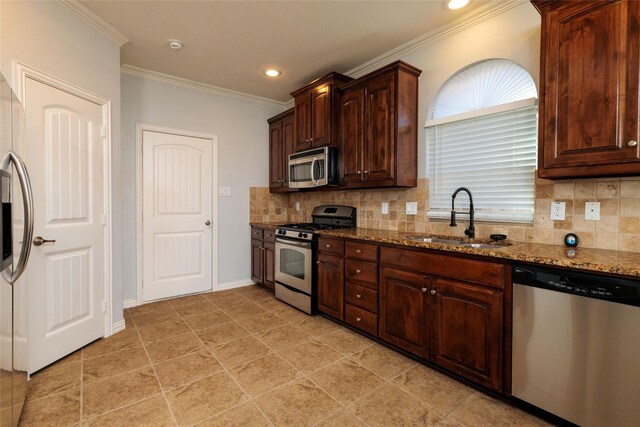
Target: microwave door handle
x,y
27,200
313,170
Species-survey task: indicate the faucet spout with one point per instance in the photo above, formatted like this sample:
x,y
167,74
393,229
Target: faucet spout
x,y
470,231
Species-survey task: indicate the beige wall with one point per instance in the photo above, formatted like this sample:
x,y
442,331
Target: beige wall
x,y
514,35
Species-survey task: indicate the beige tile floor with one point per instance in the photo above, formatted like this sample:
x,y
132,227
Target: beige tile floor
x,y
243,358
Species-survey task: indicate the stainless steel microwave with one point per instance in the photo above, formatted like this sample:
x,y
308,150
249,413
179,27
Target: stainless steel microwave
x,y
313,168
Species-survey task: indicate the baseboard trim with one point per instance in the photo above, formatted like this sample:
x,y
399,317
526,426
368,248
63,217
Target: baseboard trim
x,y
128,303
233,285
118,326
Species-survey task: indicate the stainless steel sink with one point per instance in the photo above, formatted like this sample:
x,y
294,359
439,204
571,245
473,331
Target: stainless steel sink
x,y
454,242
436,240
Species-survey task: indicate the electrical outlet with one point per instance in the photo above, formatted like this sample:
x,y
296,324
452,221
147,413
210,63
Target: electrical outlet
x,y
557,210
385,208
297,206
412,208
592,211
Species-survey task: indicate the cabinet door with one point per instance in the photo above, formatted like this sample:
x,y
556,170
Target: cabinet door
x,y
276,156
288,145
379,152
403,314
321,116
589,99
256,261
330,276
467,331
269,265
303,122
352,135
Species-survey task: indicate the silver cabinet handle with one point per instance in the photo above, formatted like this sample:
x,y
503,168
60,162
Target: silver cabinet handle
x,y
328,245
632,143
433,291
359,173
358,251
366,171
358,296
358,319
318,262
358,271
207,222
424,289
27,202
39,240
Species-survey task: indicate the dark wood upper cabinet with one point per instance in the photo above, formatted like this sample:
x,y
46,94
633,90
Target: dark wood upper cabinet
x,y
378,117
281,144
590,68
467,327
316,112
403,313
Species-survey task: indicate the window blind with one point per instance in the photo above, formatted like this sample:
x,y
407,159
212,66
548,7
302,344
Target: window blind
x,y
494,155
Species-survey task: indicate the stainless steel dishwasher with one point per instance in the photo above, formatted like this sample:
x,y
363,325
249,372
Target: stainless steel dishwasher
x,y
576,345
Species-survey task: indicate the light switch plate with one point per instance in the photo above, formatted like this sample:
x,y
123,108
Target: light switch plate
x,y
412,208
224,191
385,208
592,211
558,210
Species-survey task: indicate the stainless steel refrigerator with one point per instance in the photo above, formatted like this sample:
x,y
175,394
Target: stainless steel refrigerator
x,y
16,233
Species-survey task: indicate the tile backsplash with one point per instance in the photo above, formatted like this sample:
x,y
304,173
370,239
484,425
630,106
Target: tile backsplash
x,y
618,227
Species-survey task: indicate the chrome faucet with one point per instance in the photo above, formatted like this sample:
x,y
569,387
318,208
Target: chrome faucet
x,y
470,231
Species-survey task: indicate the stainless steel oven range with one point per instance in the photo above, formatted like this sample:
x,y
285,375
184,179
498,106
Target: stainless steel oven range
x,y
295,254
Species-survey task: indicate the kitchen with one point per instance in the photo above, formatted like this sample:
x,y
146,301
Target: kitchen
x,y
236,124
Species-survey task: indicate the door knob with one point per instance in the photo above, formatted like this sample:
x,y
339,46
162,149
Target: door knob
x,y
39,240
632,143
207,222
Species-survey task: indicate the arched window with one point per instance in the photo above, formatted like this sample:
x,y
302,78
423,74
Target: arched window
x,y
483,135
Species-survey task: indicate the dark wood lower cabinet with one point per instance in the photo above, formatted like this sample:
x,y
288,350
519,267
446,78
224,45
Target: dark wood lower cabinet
x,y
404,315
467,331
263,257
330,275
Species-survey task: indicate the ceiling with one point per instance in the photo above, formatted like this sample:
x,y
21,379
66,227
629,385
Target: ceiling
x,y
229,43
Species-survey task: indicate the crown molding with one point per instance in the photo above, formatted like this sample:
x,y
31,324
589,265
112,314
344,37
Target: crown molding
x,y
192,84
95,21
468,20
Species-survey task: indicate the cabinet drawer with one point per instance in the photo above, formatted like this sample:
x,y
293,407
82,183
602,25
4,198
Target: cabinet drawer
x,y
269,235
484,273
256,233
362,297
361,251
332,246
361,319
362,271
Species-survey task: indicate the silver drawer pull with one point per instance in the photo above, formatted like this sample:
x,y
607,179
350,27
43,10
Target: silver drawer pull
x,y
358,271
358,319
358,296
433,291
424,289
358,251
328,245
632,143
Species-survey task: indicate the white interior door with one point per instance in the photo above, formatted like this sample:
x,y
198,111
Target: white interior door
x,y
177,217
65,155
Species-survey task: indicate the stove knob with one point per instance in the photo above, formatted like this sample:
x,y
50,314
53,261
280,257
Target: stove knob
x,y
282,232
300,234
304,235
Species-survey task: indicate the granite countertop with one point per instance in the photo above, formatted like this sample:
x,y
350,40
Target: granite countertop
x,y
272,224
598,260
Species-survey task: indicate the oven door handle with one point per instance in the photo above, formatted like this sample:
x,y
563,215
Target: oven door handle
x,y
306,245
313,170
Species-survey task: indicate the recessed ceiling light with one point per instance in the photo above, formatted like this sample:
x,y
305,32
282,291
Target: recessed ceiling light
x,y
272,72
175,44
457,4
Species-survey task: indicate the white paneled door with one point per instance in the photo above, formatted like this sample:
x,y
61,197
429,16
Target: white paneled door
x,y
65,155
177,220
